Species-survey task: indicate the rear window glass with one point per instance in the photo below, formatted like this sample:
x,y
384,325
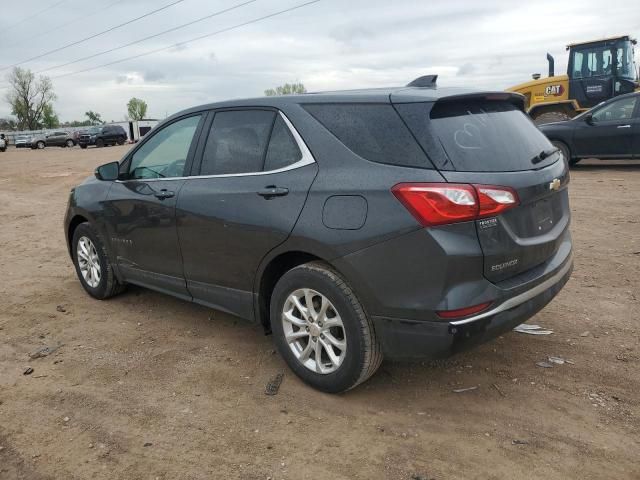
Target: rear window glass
x,y
373,131
481,136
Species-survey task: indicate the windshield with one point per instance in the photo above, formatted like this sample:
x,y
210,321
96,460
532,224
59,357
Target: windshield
x,y
489,136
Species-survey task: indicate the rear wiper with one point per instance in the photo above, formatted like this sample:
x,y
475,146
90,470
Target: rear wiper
x,y
543,154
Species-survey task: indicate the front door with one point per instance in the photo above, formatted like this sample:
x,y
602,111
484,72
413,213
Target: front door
x,y
610,134
251,186
140,211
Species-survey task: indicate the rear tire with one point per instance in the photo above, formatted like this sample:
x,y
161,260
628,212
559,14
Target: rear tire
x,y
550,117
91,257
99,143
347,331
40,145
120,140
70,143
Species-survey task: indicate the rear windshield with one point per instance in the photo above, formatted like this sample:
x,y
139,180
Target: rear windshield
x,y
478,136
373,131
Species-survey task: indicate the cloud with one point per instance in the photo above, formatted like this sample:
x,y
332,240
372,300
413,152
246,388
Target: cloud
x,y
329,45
153,76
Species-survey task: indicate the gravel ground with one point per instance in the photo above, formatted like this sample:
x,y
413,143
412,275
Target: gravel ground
x,y
145,386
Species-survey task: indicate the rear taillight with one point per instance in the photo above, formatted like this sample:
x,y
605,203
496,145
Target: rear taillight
x,y
442,203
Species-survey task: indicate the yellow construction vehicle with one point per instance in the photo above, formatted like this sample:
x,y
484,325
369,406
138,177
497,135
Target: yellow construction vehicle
x,y
597,71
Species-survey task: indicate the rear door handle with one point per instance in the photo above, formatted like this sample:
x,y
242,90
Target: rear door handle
x,y
164,193
273,191
624,126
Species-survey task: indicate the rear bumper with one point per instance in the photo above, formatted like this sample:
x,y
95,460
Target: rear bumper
x,y
409,339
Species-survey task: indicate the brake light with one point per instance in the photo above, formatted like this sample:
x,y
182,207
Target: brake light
x,y
442,203
463,312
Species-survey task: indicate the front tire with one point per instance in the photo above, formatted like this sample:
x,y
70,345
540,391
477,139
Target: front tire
x,y
40,145
92,263
99,143
321,329
70,143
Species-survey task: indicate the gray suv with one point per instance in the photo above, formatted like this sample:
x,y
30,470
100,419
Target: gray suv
x,y
410,222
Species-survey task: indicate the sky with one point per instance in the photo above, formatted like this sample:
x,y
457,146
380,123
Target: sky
x,y
327,45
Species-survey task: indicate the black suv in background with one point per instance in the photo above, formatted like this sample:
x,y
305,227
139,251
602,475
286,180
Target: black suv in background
x,y
102,136
409,222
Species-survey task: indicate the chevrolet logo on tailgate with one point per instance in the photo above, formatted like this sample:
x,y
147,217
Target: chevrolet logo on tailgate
x,y
555,184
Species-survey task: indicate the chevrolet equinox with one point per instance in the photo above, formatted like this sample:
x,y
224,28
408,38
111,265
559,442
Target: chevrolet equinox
x,y
409,222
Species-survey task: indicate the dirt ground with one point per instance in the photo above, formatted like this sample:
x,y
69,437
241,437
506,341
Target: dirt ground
x,y
150,387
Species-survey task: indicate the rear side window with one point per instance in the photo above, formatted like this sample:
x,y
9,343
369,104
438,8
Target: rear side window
x,y
237,142
283,149
373,131
477,135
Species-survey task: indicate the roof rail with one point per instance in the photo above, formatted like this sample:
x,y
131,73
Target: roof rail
x,y
428,81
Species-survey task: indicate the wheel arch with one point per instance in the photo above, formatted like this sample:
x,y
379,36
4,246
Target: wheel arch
x,y
76,220
270,272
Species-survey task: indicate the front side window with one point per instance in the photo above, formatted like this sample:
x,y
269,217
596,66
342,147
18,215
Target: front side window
x,y
164,155
237,142
625,63
619,110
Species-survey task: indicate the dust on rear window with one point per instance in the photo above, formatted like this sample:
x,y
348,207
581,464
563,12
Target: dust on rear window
x,y
478,136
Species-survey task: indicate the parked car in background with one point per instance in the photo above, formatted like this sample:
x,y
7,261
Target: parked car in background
x,y
411,222
610,130
3,143
102,136
60,139
37,141
21,141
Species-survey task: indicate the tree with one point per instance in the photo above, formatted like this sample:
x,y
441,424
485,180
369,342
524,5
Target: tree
x,y
94,118
286,89
137,109
8,124
49,117
28,97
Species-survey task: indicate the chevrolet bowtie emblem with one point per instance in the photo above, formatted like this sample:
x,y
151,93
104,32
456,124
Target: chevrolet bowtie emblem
x,y
555,184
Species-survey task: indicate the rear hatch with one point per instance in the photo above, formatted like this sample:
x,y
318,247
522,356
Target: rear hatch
x,y
488,140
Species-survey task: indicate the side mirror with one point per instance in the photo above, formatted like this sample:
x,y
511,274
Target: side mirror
x,y
588,118
108,171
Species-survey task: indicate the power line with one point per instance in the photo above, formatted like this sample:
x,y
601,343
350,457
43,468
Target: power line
x,y
62,25
94,35
219,12
4,30
255,20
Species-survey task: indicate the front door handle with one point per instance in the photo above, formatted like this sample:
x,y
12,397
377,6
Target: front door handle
x,y
164,193
623,126
273,191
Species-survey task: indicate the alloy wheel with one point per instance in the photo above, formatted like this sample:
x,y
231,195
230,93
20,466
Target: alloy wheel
x,y
314,331
88,261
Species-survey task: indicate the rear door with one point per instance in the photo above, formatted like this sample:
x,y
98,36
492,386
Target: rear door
x,y
611,132
491,142
251,185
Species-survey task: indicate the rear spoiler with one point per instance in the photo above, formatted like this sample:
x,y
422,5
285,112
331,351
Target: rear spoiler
x,y
514,98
